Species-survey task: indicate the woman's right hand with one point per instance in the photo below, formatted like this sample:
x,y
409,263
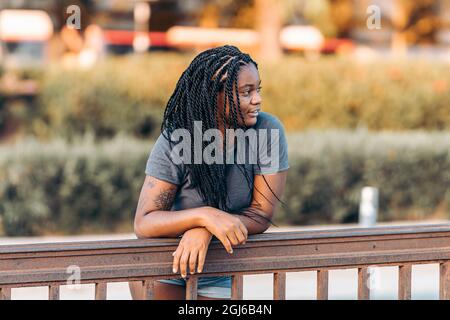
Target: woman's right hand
x,y
228,228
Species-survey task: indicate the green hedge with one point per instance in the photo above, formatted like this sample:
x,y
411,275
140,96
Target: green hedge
x,y
121,95
89,187
128,94
329,169
61,188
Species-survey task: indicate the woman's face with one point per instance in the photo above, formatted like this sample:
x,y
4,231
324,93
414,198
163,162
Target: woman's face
x,y
249,95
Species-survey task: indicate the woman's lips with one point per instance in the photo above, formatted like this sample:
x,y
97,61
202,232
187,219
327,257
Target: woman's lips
x,y
254,114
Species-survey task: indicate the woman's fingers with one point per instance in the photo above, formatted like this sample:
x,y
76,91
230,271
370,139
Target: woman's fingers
x,y
232,237
226,243
238,233
193,260
240,236
201,260
176,259
244,231
183,262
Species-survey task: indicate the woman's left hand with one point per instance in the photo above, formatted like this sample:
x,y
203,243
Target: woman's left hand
x,y
192,247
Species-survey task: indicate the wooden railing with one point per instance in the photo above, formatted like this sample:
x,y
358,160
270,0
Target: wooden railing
x,y
147,260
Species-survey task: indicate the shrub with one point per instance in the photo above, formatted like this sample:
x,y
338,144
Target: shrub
x,y
61,188
129,94
90,187
337,93
121,95
329,169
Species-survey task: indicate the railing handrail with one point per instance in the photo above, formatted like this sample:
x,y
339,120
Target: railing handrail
x,y
267,236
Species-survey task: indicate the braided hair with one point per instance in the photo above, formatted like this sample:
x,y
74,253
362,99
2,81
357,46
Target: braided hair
x,y
195,99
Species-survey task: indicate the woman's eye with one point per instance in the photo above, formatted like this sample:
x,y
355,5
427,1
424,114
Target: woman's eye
x,y
245,93
259,89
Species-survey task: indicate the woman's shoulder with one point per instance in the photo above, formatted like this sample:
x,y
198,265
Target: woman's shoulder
x,y
268,121
161,163
162,147
161,142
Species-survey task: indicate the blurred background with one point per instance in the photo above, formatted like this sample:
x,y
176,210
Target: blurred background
x,y
362,88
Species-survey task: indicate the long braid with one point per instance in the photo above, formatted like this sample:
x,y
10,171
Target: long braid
x,y
195,99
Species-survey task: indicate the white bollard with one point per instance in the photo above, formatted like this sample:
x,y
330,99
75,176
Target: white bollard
x,y
368,211
368,207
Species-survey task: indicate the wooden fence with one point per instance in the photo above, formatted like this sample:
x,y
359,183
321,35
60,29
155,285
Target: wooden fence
x,y
147,260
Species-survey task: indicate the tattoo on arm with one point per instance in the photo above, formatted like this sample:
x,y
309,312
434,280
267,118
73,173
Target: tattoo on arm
x,y
151,182
165,199
142,202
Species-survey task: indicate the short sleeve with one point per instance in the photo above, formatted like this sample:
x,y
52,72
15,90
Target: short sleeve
x,y
160,164
272,146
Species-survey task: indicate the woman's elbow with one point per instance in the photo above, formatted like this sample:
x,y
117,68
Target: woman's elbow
x,y
263,227
137,231
140,231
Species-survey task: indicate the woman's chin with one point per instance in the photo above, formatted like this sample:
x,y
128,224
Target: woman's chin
x,y
251,121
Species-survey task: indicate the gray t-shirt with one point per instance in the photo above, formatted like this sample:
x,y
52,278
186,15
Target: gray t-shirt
x,y
161,166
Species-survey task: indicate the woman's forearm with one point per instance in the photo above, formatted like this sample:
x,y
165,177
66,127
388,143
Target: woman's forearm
x,y
256,224
159,224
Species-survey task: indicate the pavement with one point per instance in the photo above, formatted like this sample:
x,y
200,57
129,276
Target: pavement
x,y
343,284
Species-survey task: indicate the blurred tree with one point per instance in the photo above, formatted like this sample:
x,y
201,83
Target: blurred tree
x,y
262,15
415,22
209,16
269,23
334,18
342,16
318,13
227,13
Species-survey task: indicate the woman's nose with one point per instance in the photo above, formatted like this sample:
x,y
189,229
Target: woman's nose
x,y
256,99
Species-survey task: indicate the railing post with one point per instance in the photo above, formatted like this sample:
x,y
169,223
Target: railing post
x,y
148,289
363,283
5,293
279,286
444,280
237,287
100,291
191,288
53,292
322,284
404,282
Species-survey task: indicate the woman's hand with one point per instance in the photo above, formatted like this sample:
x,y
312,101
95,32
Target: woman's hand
x,y
192,247
229,229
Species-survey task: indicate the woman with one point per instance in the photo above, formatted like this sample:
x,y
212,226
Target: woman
x,y
229,199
